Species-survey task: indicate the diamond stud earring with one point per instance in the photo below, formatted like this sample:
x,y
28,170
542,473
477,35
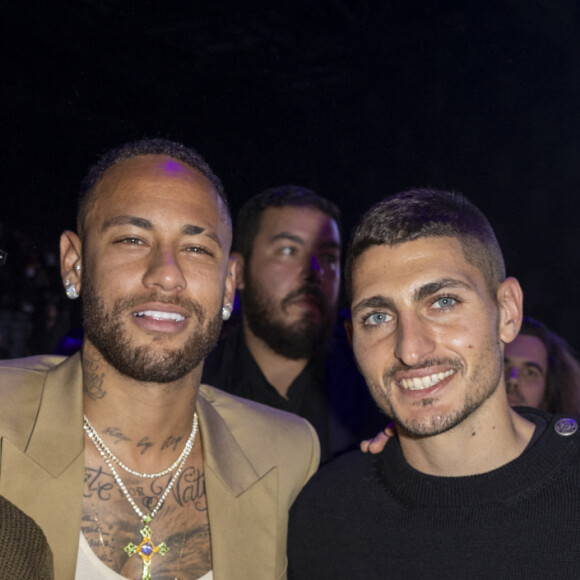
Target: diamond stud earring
x,y
71,290
226,312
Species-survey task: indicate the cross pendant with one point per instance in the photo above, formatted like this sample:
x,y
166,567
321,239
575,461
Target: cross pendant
x,y
146,549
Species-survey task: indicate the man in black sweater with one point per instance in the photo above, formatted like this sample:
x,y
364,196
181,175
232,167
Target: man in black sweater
x,y
470,488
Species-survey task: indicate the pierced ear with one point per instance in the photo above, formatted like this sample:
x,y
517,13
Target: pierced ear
x,y
70,258
238,261
510,299
230,290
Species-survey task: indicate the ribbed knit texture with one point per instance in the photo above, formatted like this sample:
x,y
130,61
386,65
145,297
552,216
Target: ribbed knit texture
x,y
375,517
24,551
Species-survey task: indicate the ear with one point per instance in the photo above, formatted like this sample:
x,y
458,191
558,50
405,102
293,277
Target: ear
x,y
238,260
70,258
348,329
230,290
510,300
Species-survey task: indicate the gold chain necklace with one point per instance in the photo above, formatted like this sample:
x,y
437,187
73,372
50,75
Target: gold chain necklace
x,y
146,548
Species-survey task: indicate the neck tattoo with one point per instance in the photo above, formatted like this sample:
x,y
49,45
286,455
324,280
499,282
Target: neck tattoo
x,y
146,548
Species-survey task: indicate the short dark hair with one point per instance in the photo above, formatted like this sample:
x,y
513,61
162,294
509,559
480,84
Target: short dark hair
x,y
563,375
140,148
422,213
249,217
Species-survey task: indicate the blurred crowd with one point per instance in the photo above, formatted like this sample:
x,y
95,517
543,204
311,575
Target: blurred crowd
x,y
34,313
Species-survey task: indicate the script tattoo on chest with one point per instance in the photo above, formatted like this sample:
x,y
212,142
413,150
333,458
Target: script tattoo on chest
x,y
98,483
188,489
98,537
108,523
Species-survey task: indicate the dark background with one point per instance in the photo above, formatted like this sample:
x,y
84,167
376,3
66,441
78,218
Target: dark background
x,y
355,99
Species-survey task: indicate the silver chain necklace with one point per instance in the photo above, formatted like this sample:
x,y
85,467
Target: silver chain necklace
x,y
101,445
146,549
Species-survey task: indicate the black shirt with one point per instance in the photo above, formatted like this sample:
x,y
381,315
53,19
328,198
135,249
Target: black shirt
x,y
329,393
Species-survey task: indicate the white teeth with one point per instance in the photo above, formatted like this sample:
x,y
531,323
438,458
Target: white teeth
x,y
420,383
157,315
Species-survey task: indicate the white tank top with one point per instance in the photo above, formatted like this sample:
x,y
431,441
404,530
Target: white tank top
x,y
89,567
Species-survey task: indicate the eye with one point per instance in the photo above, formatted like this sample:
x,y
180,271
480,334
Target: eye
x,y
329,260
376,319
198,250
532,372
287,251
130,241
445,303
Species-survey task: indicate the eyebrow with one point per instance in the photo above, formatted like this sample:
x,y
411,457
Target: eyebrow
x,y
127,220
288,236
145,224
374,302
434,287
529,363
295,238
330,244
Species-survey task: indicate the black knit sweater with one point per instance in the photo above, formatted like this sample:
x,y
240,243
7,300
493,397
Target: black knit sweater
x,y
372,517
24,551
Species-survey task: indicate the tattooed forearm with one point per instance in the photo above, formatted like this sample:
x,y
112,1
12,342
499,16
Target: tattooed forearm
x,y
116,434
93,378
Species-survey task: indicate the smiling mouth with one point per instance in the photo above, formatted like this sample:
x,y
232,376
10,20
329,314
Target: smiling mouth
x,y
159,315
426,382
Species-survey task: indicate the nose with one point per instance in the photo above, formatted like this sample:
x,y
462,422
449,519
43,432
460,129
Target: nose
x,y
414,342
312,268
315,265
164,271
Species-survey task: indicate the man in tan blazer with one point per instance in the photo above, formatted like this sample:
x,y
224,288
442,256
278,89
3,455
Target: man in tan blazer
x,y
170,478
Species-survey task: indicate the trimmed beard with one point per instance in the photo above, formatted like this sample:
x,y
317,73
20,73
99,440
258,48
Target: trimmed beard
x,y
301,339
484,382
143,363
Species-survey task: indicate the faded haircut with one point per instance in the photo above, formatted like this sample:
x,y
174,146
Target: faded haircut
x,y
249,217
424,213
172,149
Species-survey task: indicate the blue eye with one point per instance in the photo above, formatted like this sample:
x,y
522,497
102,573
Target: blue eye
x,y
376,319
445,302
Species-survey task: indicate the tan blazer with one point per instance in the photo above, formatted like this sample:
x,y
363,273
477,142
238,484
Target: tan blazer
x,y
256,461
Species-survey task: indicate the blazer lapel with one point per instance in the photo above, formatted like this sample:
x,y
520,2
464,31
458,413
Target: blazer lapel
x,y
242,503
